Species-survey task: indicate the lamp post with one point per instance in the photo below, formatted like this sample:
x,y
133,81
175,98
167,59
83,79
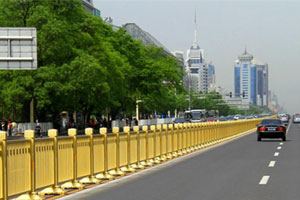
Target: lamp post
x,y
137,109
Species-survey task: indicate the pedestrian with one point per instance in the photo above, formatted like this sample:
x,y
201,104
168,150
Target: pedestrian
x,y
38,129
9,128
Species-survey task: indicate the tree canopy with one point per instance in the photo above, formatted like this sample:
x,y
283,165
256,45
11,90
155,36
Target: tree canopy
x,y
84,65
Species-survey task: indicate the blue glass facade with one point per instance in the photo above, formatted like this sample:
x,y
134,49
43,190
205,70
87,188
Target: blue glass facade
x,y
211,70
260,85
253,85
237,81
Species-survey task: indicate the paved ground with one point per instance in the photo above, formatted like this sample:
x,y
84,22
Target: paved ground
x,y
238,170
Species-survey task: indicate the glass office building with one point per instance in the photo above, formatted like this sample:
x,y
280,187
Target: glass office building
x,y
251,80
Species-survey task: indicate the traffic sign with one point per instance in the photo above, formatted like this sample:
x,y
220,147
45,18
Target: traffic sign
x,y
18,48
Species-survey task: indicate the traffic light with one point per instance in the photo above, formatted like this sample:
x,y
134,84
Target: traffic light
x,y
243,94
230,94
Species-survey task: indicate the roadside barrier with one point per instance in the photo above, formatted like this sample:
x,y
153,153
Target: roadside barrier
x,y
32,168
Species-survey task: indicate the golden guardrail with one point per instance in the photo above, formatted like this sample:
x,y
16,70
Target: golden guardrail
x,y
32,168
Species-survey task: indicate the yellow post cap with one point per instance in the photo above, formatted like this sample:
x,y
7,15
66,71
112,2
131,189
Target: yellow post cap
x,y
52,133
145,128
115,130
72,131
3,135
29,134
170,126
158,127
88,131
136,128
152,127
176,126
103,131
126,129
165,126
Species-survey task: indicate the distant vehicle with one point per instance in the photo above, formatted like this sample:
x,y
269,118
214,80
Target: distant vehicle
x,y
196,115
296,118
222,118
284,118
250,117
239,117
211,119
271,128
179,120
230,118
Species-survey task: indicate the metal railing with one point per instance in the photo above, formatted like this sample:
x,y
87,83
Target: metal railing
x,y
33,167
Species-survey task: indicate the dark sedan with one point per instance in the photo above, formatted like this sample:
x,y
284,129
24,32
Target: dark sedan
x,y
271,128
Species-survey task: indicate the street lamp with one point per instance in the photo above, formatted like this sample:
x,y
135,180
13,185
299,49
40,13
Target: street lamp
x,y
137,108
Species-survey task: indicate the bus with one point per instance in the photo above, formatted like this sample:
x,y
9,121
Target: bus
x,y
196,115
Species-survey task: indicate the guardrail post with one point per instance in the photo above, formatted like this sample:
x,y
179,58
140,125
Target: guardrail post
x,y
151,160
174,128
105,175
128,168
167,131
156,158
184,138
188,140
138,165
161,157
29,135
3,138
147,162
55,189
179,139
117,171
72,132
91,179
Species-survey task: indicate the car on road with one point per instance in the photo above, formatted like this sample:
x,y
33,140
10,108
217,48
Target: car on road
x,y
271,128
180,120
296,118
284,118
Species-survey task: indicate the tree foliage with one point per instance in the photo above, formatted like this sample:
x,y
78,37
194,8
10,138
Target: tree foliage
x,y
84,66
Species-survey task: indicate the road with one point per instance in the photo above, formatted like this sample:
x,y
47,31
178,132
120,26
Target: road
x,y
238,170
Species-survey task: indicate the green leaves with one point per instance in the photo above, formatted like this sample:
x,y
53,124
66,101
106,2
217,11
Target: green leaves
x,y
85,66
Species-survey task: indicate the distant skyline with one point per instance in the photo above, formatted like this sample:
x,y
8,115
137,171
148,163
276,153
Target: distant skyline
x,y
268,29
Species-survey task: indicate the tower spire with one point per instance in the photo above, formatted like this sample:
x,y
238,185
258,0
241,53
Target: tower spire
x,y
195,28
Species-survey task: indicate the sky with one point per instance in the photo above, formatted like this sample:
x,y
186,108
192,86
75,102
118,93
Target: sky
x,y
269,29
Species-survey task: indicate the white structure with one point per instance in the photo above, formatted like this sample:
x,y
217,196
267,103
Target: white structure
x,y
196,69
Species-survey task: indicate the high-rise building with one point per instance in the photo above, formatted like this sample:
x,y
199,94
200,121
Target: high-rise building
x,y
196,67
89,6
251,80
211,77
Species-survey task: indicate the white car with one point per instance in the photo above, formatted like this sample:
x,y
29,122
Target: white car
x,y
296,119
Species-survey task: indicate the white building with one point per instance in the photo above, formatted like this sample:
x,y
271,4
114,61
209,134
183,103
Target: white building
x,y
196,68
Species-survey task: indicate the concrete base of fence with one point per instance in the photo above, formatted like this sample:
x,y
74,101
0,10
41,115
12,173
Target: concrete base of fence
x,y
104,176
32,196
72,185
52,191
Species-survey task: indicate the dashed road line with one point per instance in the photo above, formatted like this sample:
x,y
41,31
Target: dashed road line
x,y
264,180
276,154
281,143
279,148
272,163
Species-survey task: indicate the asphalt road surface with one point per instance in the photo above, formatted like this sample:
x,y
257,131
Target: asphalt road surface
x,y
243,169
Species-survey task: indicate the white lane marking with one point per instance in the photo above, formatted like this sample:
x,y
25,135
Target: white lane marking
x,y
276,154
280,143
279,148
287,131
264,180
272,163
